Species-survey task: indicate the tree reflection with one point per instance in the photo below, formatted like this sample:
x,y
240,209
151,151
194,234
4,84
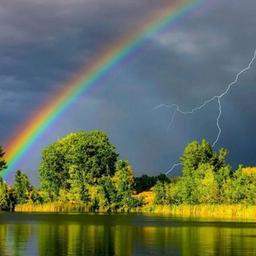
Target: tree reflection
x,y
101,236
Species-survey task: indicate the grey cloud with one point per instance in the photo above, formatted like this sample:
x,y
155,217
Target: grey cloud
x,y
192,43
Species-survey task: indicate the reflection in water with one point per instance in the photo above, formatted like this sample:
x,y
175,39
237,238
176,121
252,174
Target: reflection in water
x,y
81,234
14,239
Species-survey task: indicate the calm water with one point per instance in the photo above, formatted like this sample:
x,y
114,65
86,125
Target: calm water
x,y
85,234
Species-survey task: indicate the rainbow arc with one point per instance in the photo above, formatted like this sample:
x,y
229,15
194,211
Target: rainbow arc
x,y
91,75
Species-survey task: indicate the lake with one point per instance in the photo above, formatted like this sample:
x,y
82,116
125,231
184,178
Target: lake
x,y
122,234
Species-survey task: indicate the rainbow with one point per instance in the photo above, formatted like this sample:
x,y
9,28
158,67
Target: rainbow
x,y
100,67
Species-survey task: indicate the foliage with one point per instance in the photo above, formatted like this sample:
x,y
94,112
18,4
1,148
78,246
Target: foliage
x,y
160,192
77,185
201,153
22,187
206,186
82,172
3,164
52,174
75,159
114,193
207,179
107,192
240,188
175,192
204,172
123,181
4,196
35,196
145,182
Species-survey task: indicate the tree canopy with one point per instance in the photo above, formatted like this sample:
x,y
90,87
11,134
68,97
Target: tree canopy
x,y
75,159
197,153
145,182
3,164
22,187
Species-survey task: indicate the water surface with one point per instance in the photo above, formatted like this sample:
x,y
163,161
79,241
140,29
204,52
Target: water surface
x,y
122,234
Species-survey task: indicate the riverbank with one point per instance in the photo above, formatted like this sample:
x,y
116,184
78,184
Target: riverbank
x,y
52,207
222,211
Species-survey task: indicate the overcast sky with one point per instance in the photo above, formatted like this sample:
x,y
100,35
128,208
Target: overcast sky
x,y
43,43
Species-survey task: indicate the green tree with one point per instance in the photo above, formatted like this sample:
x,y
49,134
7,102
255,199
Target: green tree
x,y
3,164
4,196
123,181
187,186
22,187
223,176
11,198
108,199
205,185
197,153
204,171
35,196
240,188
78,191
53,177
89,153
174,192
160,193
145,182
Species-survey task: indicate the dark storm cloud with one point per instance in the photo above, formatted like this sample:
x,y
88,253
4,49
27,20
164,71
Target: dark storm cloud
x,y
44,43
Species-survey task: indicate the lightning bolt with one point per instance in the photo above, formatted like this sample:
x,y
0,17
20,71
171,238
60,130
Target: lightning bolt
x,y
176,109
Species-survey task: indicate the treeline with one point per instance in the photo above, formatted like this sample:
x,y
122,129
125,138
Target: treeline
x,y
84,169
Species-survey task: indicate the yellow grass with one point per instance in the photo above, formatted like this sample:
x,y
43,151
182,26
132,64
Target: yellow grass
x,y
51,207
222,211
147,196
249,170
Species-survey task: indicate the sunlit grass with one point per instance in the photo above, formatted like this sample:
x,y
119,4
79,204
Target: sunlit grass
x,y
52,207
235,211
249,170
146,196
231,211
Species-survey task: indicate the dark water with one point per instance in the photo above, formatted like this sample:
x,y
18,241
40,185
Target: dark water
x,y
85,234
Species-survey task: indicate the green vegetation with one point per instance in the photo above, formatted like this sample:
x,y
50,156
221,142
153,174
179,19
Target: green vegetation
x,y
4,197
3,164
145,182
75,161
22,187
207,179
82,172
6,201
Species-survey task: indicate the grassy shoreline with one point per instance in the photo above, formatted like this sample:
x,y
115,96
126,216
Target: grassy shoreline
x,y
222,211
